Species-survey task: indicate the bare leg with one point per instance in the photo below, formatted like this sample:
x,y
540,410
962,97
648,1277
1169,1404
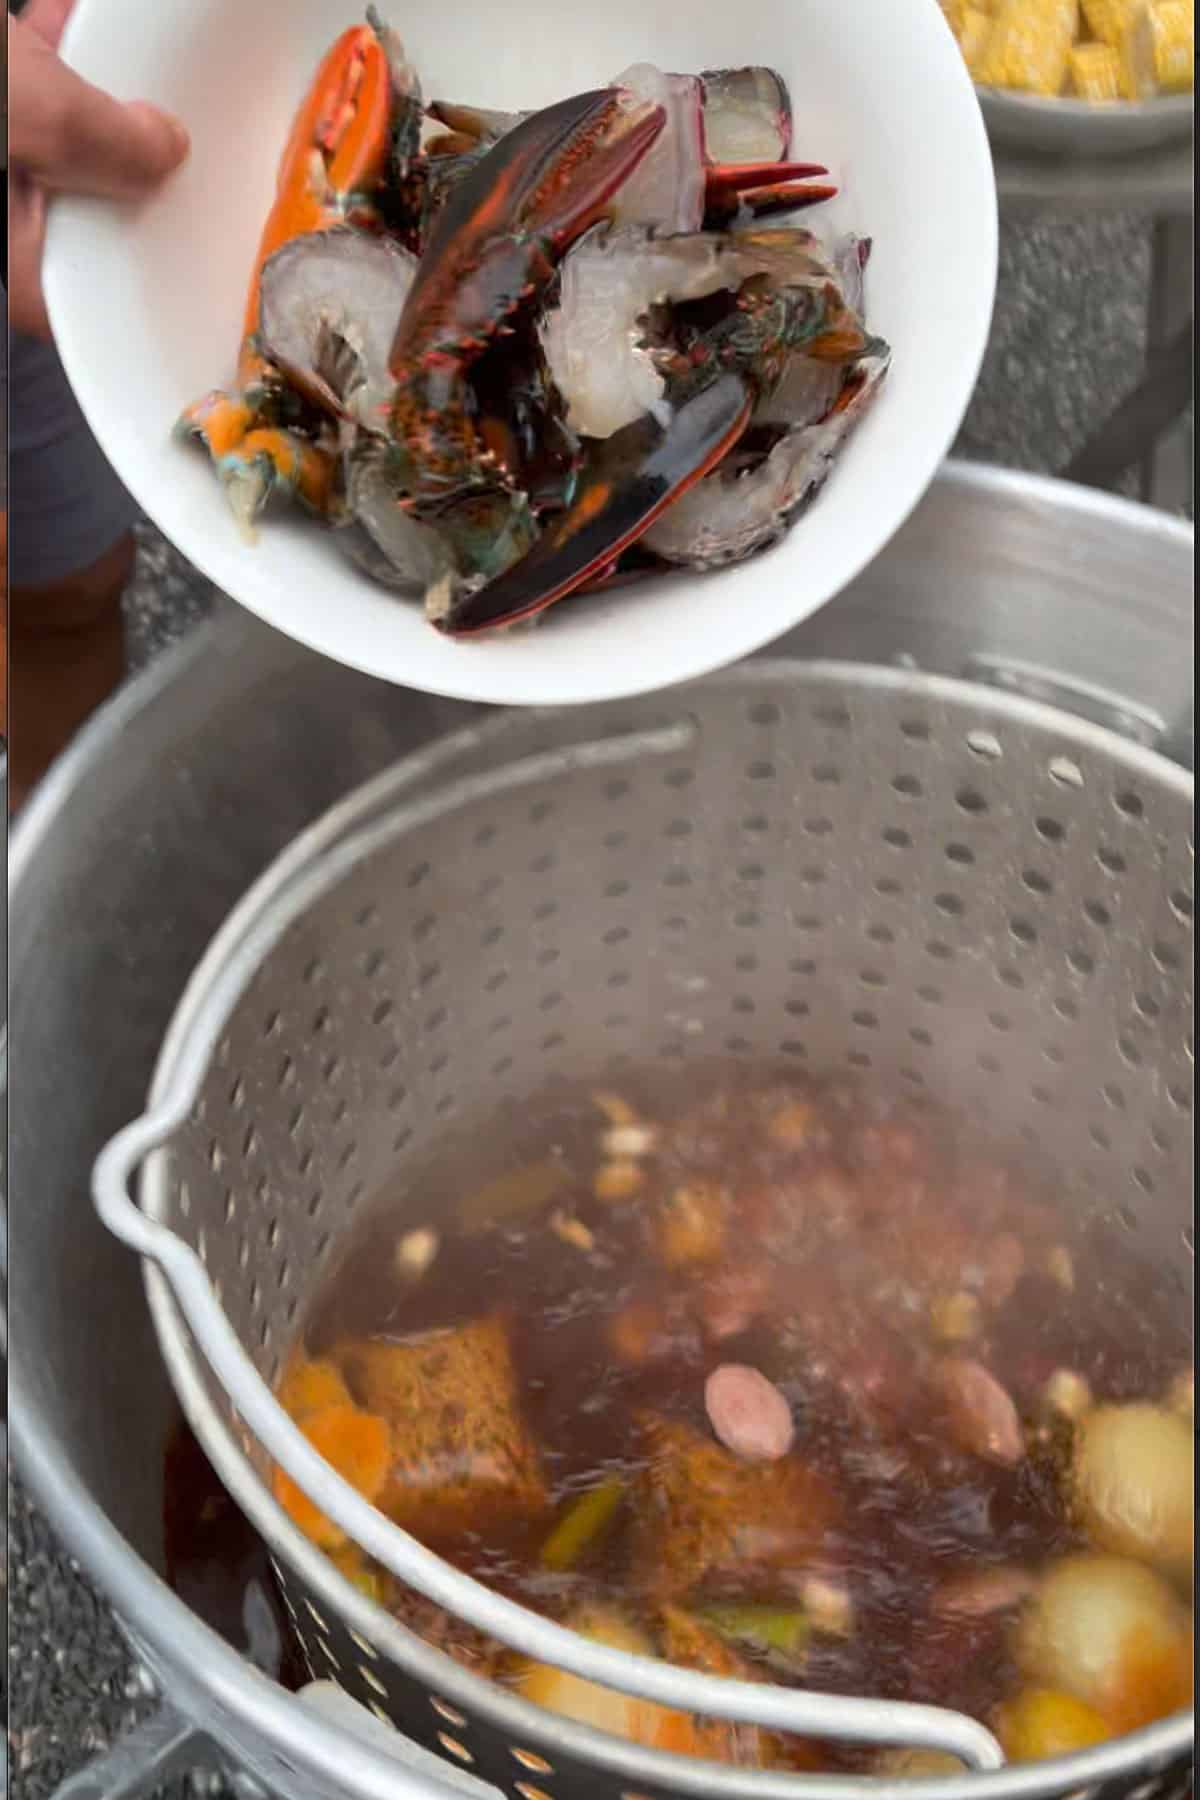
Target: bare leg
x,y
66,656
70,556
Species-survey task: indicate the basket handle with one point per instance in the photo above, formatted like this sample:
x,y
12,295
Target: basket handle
x,y
883,1722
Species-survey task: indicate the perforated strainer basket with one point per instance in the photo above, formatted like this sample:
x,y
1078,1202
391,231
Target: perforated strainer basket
x,y
959,893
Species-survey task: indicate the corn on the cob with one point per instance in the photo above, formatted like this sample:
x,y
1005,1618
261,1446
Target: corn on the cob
x,y
1175,49
1029,46
1158,50
1107,19
1096,72
976,30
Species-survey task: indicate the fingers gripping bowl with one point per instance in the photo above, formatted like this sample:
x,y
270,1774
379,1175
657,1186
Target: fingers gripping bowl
x,y
149,308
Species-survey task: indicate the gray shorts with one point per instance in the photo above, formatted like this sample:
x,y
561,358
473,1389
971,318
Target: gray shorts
x,y
66,507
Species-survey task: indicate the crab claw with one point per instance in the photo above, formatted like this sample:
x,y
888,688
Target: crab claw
x,y
762,188
631,477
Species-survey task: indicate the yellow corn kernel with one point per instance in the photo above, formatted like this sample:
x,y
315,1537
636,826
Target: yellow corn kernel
x,y
1107,19
1096,72
1175,50
953,11
1029,46
1158,50
977,29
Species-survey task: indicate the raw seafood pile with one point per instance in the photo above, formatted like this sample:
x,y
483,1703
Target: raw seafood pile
x,y
776,1383
510,357
1094,50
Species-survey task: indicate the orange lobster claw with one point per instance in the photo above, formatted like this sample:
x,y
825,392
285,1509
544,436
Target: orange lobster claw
x,y
335,156
337,147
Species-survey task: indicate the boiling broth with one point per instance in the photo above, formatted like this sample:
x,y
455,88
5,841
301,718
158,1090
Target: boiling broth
x,y
862,1249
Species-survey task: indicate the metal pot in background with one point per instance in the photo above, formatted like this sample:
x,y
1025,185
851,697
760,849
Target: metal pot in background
x,y
191,782
1084,129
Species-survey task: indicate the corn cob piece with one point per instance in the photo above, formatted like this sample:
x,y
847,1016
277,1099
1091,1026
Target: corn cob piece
x,y
1158,50
1107,19
976,30
952,11
1096,72
1030,45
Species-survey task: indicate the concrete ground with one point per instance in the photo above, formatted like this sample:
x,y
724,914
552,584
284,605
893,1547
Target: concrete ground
x,y
1067,343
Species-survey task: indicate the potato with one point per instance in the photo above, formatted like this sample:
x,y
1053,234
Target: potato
x,y
1113,1634
685,1641
1133,1484
624,1715
1040,1722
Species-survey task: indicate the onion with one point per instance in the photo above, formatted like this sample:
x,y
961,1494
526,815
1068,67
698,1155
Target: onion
x,y
1113,1634
1133,1484
919,1765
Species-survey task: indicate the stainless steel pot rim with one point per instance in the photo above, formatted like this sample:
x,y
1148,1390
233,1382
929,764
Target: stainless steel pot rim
x,y
237,949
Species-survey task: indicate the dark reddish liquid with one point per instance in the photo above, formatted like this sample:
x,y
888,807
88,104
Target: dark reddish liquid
x,y
837,1338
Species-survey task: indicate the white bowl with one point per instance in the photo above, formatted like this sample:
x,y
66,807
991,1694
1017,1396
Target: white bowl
x,y
146,304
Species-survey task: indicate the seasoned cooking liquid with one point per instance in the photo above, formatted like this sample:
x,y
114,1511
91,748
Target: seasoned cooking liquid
x,y
860,1254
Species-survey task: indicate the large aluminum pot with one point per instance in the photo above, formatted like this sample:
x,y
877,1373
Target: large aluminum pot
x,y
169,806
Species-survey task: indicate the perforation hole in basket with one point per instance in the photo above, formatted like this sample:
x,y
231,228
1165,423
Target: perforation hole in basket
x,y
1065,771
763,712
971,801
985,745
916,730
455,1747
1129,804
1182,905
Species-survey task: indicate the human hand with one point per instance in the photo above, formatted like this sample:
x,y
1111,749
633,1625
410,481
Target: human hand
x,y
66,136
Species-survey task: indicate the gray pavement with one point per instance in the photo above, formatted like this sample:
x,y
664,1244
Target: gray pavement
x,y
1067,344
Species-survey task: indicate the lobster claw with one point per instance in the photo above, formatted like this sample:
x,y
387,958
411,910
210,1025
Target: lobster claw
x,y
762,189
626,483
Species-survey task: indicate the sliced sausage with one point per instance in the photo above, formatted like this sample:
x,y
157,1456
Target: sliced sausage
x,y
748,1413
